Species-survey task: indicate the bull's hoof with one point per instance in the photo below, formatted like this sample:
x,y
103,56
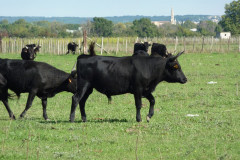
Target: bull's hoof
x,y
84,119
46,118
148,119
21,116
12,117
139,120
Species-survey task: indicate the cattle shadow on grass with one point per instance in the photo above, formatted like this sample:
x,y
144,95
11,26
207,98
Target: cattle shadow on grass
x,y
108,120
96,120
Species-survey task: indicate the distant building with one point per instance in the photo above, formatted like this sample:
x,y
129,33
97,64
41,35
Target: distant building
x,y
172,21
159,23
193,29
225,35
72,31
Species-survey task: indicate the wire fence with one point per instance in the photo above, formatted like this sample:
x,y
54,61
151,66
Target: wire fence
x,y
116,45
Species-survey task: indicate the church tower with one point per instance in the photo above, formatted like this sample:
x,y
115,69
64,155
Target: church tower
x,y
173,21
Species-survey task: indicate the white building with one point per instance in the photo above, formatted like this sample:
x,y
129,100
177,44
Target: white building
x,y
159,23
225,35
193,29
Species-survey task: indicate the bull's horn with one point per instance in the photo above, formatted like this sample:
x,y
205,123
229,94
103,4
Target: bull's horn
x,y
74,66
175,57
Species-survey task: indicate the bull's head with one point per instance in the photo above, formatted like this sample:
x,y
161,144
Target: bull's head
x,y
31,53
173,71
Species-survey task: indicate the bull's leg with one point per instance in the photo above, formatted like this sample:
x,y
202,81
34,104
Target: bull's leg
x,y
44,105
109,99
82,104
11,115
151,109
138,103
76,99
67,52
30,99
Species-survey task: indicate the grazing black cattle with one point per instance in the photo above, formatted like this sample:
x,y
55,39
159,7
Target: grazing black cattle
x,y
138,75
159,50
29,52
36,78
72,46
141,49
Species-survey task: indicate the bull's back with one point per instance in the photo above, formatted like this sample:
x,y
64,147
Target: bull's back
x,y
108,75
23,76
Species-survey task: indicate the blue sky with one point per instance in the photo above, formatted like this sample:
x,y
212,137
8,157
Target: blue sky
x,y
104,8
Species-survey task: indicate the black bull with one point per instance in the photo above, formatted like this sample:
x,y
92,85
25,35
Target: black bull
x,y
138,75
36,78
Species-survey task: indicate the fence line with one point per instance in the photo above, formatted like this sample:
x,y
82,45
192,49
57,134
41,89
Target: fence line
x,y
58,46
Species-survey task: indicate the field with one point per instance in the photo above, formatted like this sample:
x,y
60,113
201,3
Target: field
x,y
196,120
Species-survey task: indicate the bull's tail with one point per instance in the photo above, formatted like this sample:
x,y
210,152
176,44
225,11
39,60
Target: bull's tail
x,y
91,49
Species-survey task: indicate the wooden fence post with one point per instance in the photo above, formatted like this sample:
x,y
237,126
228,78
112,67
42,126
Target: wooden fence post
x,y
126,45
176,43
220,49
0,43
102,46
239,44
184,43
84,42
202,44
136,40
194,39
211,45
58,47
228,43
117,45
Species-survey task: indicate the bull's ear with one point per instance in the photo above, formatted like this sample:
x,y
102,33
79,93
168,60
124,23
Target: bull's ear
x,y
171,59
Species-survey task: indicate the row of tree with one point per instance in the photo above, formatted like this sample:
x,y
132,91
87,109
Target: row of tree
x,y
141,28
103,27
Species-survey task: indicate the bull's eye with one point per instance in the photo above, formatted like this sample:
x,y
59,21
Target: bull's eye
x,y
176,66
70,81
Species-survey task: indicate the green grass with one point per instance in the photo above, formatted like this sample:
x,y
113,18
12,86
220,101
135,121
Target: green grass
x,y
112,131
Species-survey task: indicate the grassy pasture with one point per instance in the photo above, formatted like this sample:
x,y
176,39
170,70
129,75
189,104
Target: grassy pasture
x,y
112,131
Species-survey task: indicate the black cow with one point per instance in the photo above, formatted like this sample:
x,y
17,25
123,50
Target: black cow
x,y
159,50
138,75
141,49
36,78
72,46
29,52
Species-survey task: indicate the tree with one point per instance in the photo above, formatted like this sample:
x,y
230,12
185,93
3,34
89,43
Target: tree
x,y
168,30
207,28
189,24
119,29
218,29
102,26
4,22
231,20
185,32
144,28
